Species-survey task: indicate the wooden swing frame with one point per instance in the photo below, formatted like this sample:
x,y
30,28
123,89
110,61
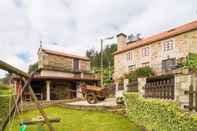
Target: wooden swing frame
x,y
27,79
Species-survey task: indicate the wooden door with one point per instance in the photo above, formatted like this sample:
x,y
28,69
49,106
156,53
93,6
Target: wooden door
x,y
76,65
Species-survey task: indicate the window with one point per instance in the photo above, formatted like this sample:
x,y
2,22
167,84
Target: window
x,y
129,56
145,51
132,67
146,64
168,64
168,45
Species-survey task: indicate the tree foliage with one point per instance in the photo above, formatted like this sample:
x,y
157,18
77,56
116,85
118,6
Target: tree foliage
x,y
191,62
108,61
33,67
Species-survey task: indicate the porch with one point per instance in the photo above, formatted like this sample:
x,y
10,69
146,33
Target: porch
x,y
56,89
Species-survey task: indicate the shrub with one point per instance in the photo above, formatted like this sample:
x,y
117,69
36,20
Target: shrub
x,y
144,72
140,72
120,100
158,115
191,62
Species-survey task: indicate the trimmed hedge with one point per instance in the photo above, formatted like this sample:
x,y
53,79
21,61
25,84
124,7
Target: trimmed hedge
x,y
158,115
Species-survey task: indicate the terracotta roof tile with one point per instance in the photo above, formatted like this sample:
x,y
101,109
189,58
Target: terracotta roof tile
x,y
64,54
164,35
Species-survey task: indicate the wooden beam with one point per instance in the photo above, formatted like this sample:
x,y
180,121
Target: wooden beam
x,y
39,107
11,69
34,122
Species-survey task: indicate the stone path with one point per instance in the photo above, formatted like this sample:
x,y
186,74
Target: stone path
x,y
108,102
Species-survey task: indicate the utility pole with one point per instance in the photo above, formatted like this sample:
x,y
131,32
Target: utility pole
x,y
109,70
102,83
108,38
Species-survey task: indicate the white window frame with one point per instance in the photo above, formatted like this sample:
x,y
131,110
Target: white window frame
x,y
145,51
168,45
129,55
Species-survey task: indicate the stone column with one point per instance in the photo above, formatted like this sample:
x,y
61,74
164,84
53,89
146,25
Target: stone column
x,y
116,84
126,82
48,90
141,84
79,94
182,84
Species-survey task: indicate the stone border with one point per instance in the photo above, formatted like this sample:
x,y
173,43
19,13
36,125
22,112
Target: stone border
x,y
119,109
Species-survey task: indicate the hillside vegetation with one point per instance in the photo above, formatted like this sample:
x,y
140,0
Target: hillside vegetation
x,y
5,92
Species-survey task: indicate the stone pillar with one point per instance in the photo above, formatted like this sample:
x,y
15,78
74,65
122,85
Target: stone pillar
x,y
182,83
126,82
141,84
48,90
118,92
79,94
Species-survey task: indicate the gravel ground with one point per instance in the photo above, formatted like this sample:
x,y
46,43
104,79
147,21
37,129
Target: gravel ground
x,y
107,102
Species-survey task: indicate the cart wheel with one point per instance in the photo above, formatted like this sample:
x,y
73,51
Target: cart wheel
x,y
91,98
101,98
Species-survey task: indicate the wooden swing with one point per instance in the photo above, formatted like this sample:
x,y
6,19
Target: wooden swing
x,y
27,79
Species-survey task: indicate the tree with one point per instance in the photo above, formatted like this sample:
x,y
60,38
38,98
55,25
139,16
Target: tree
x,y
108,61
33,67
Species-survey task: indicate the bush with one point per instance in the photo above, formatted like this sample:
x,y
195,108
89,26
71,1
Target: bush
x,y
158,115
140,72
191,62
120,100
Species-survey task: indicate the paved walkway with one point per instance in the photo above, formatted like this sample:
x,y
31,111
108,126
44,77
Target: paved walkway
x,y
106,102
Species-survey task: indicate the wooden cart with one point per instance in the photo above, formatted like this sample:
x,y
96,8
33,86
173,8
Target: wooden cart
x,y
94,93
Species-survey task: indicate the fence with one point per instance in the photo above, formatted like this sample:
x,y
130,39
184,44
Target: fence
x,y
192,99
160,87
132,87
120,86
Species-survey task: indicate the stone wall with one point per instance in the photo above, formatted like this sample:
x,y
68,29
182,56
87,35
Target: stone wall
x,y
58,62
182,84
84,65
49,61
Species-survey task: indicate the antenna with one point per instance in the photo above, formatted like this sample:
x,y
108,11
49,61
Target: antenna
x,y
41,44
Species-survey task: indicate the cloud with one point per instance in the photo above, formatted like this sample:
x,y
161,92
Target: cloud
x,y
76,25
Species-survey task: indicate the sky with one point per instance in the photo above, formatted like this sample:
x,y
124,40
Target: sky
x,y
73,26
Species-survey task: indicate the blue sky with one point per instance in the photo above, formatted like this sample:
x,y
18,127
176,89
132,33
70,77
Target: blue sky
x,y
76,25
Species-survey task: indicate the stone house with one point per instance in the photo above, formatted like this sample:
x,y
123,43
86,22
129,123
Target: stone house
x,y
161,52
60,75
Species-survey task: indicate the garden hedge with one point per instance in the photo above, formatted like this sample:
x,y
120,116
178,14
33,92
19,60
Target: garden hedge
x,y
158,115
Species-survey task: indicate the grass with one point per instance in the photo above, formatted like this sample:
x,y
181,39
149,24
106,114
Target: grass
x,y
4,100
77,120
5,89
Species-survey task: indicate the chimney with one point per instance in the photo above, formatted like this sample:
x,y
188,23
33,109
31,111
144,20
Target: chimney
x,y
121,41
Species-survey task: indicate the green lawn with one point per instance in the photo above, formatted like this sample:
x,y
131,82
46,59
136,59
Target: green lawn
x,y
76,120
5,91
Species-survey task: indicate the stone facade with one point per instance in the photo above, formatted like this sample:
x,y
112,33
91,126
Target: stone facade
x,y
62,63
183,44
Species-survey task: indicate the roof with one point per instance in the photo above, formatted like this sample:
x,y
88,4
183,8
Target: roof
x,y
52,52
164,35
7,67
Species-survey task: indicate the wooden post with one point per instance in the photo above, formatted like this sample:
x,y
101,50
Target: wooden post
x,y
39,107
